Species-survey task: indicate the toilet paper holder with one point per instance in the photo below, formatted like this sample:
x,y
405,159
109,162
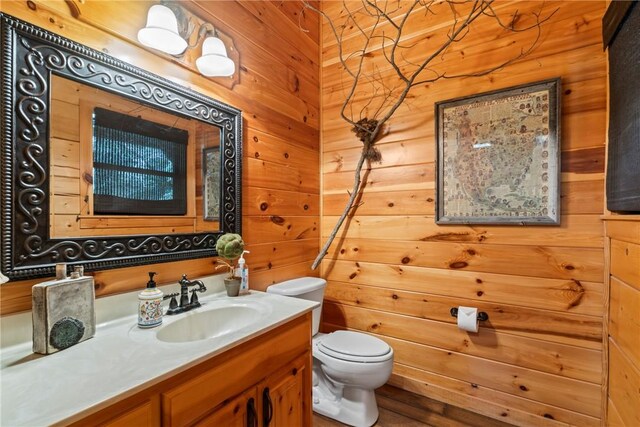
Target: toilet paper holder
x,y
482,316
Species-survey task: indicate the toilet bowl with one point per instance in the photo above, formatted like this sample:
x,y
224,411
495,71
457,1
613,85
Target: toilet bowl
x,y
347,366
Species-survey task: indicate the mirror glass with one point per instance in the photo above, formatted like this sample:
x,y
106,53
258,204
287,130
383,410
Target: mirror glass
x,y
123,167
105,164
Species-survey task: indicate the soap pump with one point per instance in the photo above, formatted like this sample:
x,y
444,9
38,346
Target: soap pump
x,y
243,273
150,305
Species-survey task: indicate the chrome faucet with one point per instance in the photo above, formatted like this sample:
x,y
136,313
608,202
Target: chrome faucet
x,y
185,304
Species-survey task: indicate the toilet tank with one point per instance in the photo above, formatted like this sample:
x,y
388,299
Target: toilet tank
x,y
310,288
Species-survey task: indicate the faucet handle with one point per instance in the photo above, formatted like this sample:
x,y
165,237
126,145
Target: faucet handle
x,y
173,298
193,303
173,304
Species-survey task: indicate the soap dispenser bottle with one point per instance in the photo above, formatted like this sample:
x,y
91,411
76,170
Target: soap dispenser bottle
x,y
243,273
150,305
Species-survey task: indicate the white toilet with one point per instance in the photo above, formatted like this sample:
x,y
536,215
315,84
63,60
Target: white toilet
x,y
347,366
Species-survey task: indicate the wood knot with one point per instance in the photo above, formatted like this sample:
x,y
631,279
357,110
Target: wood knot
x,y
255,139
342,251
391,204
256,155
549,416
394,296
264,206
375,326
305,207
294,371
478,281
406,260
480,293
87,177
286,155
569,267
524,388
458,264
353,276
448,237
278,220
576,292
471,252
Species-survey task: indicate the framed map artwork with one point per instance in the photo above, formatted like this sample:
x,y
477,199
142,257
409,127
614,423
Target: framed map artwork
x,y
498,157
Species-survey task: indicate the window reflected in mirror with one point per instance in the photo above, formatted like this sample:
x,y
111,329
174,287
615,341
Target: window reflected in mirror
x,y
119,167
139,166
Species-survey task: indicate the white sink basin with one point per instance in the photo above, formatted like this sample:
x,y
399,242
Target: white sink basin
x,y
208,324
214,319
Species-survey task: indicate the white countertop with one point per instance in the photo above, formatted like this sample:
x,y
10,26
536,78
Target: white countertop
x,y
118,361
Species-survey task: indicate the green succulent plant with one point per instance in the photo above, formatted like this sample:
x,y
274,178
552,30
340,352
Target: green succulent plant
x,y
229,247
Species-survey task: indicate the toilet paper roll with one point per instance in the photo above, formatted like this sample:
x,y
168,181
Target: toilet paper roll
x,y
468,319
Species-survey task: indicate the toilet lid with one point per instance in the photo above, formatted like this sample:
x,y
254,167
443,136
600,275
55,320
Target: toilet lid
x,y
354,346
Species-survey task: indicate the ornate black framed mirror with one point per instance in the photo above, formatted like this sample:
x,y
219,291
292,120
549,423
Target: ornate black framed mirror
x,y
54,210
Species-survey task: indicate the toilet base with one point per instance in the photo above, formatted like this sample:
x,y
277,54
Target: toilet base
x,y
356,407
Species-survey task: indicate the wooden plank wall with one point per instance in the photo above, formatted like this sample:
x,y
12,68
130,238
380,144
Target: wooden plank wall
x,y
279,95
394,273
623,402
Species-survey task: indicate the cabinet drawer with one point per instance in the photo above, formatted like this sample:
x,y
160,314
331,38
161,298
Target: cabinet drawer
x,y
246,366
147,414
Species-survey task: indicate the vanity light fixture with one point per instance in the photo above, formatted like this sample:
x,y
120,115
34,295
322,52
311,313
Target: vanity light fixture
x,y
168,29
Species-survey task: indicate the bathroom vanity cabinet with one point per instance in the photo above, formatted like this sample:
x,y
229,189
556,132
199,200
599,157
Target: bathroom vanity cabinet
x,y
265,381
276,401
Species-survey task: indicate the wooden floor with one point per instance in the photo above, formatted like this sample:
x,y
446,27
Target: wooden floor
x,y
399,408
387,418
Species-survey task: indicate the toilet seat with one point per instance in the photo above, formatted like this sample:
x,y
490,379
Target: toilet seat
x,y
354,347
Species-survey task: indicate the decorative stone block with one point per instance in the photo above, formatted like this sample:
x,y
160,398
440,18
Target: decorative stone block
x,y
63,313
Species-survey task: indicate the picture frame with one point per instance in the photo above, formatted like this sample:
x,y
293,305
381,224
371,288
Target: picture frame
x,y
498,156
211,183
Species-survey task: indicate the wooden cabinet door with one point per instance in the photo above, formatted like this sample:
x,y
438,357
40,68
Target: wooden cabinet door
x,y
282,394
241,411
